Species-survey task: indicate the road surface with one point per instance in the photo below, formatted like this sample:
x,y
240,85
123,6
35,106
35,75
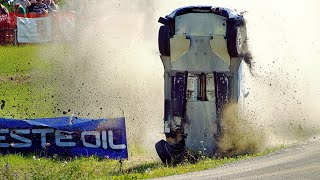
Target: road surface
x,y
301,161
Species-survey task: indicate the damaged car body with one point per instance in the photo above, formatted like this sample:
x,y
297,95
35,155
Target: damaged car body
x,y
201,48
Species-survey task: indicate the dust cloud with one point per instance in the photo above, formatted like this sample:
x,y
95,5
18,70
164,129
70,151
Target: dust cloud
x,y
238,136
112,67
283,87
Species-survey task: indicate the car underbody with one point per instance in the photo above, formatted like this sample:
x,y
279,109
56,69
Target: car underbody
x,y
201,49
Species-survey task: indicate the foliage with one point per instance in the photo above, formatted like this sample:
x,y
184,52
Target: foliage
x,y
9,6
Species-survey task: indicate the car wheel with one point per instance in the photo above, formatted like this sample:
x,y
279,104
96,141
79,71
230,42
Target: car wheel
x,y
238,42
242,45
164,151
164,40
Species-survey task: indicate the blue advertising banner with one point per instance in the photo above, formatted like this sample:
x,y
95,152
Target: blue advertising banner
x,y
65,136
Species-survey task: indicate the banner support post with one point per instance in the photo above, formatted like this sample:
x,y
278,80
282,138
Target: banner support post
x,y
15,37
121,165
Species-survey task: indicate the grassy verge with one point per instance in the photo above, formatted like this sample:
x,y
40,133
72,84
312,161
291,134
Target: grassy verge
x,y
33,167
154,170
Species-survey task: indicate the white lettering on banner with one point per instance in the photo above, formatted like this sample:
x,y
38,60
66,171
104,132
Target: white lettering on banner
x,y
113,146
2,138
64,135
91,133
104,140
43,133
27,142
61,138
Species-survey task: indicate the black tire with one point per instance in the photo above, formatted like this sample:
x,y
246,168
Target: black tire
x,y
164,40
242,45
164,152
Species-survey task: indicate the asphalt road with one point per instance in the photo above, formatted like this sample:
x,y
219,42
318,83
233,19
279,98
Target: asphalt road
x,y
300,161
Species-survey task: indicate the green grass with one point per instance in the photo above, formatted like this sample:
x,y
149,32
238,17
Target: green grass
x,y
32,167
26,100
23,90
20,61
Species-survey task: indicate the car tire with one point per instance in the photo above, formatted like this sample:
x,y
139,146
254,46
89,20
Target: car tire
x,y
237,44
164,40
164,151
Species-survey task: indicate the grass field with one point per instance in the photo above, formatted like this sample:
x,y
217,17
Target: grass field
x,y
24,93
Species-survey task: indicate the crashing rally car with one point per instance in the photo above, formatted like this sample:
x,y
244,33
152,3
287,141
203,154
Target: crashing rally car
x,y
201,49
